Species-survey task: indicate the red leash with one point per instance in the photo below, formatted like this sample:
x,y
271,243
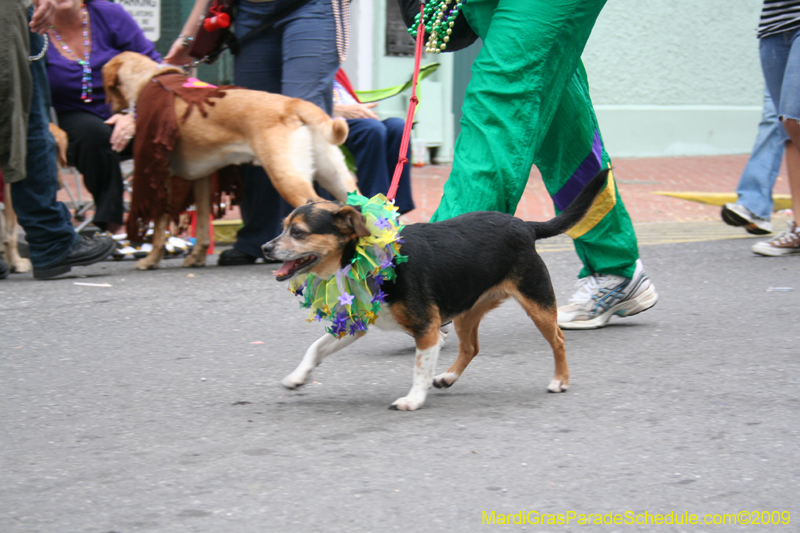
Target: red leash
x,y
412,106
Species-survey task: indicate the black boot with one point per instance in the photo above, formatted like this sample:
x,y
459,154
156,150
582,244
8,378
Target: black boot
x,y
86,251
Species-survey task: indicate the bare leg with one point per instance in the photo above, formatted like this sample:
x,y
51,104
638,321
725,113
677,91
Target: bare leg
x,y
322,348
202,201
793,163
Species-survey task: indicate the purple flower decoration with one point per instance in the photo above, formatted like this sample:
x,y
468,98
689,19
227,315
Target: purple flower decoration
x,y
379,279
379,296
339,324
383,223
346,299
299,291
387,263
357,325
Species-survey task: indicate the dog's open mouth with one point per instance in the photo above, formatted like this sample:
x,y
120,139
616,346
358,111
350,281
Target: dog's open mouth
x,y
295,266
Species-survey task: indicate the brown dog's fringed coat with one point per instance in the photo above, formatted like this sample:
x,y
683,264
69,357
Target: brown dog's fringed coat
x,y
154,193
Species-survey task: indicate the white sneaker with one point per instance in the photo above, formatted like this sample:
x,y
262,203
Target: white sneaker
x,y
601,296
784,243
739,215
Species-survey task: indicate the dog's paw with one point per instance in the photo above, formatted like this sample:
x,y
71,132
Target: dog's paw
x,y
145,264
194,261
293,382
407,403
20,265
557,386
445,379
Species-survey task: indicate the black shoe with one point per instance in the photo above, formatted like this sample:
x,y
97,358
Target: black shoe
x,y
86,251
3,268
234,257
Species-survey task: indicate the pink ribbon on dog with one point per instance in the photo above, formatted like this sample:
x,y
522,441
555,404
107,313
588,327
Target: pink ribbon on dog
x,y
194,83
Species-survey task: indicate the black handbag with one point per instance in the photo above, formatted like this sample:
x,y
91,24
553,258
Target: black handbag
x,y
211,39
461,37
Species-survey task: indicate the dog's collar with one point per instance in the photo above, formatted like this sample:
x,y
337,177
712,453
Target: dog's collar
x,y
352,298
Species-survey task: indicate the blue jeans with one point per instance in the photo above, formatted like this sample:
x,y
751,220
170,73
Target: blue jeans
x,y
46,221
780,62
759,175
297,58
375,146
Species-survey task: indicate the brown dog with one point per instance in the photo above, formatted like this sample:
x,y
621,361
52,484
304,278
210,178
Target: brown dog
x,y
295,141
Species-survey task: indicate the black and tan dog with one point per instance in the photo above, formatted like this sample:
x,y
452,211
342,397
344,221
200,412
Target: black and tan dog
x,y
457,269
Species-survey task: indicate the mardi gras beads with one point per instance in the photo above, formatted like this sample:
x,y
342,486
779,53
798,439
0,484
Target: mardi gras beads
x,y
86,79
439,18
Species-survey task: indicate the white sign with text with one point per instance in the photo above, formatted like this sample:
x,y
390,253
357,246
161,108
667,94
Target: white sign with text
x,y
147,14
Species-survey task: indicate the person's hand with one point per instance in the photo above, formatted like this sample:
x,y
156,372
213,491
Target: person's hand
x,y
178,54
354,110
43,13
124,130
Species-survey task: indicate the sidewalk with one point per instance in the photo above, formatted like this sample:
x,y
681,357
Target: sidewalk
x,y
637,180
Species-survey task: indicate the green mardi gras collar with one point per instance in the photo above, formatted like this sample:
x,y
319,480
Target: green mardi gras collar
x,y
352,298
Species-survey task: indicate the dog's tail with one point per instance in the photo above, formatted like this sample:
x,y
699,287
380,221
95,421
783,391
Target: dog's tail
x,y
575,212
333,130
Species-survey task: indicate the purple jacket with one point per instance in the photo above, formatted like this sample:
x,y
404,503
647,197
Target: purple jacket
x,y
113,31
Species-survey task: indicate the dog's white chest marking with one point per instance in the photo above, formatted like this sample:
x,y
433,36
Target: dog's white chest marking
x,y
386,321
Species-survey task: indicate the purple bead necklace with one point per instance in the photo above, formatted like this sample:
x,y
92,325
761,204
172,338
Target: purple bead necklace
x,y
86,80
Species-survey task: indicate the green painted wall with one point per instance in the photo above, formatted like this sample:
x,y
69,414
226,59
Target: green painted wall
x,y
668,77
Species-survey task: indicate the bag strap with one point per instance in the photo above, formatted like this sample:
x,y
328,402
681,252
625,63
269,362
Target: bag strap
x,y
235,44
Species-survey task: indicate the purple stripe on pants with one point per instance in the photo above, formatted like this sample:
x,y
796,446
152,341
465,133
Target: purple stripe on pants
x,y
585,172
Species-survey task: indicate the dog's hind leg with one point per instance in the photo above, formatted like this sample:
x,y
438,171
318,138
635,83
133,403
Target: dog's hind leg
x,y
289,163
332,172
202,202
16,263
322,348
159,240
466,326
545,318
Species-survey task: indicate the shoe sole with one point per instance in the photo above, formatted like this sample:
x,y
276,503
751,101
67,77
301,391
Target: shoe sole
x,y
733,218
235,263
641,303
755,230
775,252
47,273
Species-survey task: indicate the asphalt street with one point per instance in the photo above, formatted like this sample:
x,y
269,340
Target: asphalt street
x,y
154,405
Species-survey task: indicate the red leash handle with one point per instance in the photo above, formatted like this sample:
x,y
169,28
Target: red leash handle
x,y
412,106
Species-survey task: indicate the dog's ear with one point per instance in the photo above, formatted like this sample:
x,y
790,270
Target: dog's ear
x,y
111,85
350,221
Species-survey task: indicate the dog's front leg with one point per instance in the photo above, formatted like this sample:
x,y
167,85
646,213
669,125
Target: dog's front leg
x,y
325,346
427,353
159,241
16,262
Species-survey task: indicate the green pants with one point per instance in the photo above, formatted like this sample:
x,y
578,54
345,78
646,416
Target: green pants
x,y
528,104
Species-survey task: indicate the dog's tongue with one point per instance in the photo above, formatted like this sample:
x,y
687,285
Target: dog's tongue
x,y
285,268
